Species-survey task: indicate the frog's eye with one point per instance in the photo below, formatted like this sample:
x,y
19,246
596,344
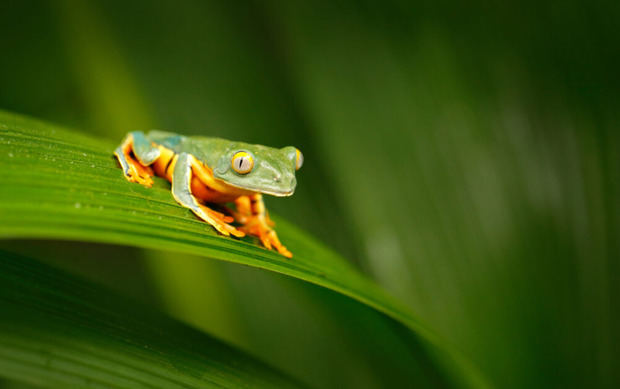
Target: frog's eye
x,y
294,155
299,159
242,162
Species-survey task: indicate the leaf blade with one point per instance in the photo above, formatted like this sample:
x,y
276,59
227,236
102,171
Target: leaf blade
x,y
63,185
57,330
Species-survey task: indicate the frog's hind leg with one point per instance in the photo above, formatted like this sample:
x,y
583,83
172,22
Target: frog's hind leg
x,y
251,212
135,155
181,190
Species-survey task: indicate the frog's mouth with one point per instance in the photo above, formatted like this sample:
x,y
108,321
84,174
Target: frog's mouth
x,y
264,190
268,191
279,194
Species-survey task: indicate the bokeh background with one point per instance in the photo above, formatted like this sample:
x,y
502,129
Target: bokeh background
x,y
465,155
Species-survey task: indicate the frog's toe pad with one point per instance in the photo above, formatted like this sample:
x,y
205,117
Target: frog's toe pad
x,y
227,230
136,175
219,221
268,238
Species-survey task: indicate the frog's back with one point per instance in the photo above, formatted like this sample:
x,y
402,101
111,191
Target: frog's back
x,y
204,148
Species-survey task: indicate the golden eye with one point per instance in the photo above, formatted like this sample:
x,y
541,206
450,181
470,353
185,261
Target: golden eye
x,y
299,160
242,162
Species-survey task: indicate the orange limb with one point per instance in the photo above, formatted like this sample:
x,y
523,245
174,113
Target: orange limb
x,y
252,214
201,191
220,222
133,169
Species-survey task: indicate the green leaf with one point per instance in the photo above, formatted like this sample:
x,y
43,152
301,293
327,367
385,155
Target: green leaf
x,y
64,185
58,331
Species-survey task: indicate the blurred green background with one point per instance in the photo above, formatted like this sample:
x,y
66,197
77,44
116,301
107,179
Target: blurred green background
x,y
464,155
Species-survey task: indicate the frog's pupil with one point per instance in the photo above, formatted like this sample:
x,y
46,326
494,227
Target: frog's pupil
x,y
240,162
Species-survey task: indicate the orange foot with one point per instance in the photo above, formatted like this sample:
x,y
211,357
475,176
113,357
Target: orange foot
x,y
139,173
135,171
257,227
219,221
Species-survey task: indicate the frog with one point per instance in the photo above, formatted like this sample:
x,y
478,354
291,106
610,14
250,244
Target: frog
x,y
208,175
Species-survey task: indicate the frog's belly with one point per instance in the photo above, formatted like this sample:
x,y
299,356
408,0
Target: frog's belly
x,y
214,191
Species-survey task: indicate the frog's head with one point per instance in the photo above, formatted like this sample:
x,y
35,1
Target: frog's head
x,y
260,168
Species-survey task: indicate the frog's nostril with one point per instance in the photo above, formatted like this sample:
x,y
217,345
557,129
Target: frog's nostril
x,y
277,178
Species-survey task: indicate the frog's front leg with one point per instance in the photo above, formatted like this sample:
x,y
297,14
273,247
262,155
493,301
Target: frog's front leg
x,y
182,192
251,213
135,155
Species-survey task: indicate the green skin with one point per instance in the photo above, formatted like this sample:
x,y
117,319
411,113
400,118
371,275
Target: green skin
x,y
273,172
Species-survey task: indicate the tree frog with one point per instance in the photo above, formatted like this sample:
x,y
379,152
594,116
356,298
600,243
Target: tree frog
x,y
211,171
